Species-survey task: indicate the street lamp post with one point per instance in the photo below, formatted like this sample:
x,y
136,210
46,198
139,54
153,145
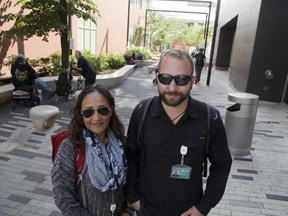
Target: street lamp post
x,y
128,20
213,42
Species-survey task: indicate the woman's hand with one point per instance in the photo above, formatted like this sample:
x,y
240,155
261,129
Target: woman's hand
x,y
136,205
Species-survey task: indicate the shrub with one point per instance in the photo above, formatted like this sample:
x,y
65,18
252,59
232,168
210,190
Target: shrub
x,y
115,61
103,62
53,63
138,50
94,61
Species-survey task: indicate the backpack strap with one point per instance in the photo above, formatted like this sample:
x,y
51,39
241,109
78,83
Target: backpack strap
x,y
80,168
143,106
80,163
56,140
142,113
80,179
211,125
207,142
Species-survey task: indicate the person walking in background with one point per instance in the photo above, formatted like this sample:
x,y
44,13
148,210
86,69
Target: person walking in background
x,y
200,61
193,53
96,129
85,69
173,138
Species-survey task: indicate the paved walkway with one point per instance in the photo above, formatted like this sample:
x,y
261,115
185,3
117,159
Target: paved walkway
x,y
257,185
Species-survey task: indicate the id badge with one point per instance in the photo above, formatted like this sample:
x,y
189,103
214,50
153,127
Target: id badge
x,y
181,172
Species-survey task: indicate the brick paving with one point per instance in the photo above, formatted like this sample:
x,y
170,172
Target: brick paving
x,y
257,185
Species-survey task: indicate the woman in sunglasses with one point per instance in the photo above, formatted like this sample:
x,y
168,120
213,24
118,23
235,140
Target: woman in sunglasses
x,y
96,129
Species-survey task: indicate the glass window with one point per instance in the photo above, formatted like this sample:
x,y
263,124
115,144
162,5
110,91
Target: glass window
x,y
147,4
87,35
132,35
136,3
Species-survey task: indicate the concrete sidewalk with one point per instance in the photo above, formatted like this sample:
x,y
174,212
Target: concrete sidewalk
x,y
257,185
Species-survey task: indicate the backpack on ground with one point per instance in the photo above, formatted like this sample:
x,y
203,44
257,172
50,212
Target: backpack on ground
x,y
63,84
80,162
142,113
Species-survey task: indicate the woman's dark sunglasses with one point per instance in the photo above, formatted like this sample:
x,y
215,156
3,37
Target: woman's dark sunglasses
x,y
180,80
87,113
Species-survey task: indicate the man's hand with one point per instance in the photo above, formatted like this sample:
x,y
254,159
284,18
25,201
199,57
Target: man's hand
x,y
136,205
75,67
192,212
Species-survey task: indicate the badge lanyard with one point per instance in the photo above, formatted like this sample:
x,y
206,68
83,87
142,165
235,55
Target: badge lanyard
x,y
113,204
181,171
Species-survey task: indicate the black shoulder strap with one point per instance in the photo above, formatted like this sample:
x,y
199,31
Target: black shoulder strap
x,y
207,142
208,128
212,123
142,106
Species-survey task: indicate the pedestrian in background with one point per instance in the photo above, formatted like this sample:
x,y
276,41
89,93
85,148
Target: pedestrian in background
x,y
200,62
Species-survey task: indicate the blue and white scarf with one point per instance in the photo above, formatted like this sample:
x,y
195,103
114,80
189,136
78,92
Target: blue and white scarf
x,y
106,169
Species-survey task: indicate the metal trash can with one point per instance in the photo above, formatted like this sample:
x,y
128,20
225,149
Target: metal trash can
x,y
240,122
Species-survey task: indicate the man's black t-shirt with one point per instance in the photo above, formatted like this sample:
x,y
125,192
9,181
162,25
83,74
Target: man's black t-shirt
x,y
86,67
199,59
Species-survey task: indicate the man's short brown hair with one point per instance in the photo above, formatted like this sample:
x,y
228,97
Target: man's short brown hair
x,y
181,55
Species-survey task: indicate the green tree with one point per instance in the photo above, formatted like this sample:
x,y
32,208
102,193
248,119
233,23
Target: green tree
x,y
162,30
198,35
156,28
41,17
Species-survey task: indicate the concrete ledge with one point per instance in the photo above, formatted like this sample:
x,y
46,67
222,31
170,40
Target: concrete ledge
x,y
151,68
109,81
116,78
149,62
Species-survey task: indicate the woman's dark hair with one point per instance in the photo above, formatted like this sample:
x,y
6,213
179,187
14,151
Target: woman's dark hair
x,y
77,124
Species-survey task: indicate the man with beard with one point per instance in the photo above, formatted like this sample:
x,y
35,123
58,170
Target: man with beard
x,y
174,139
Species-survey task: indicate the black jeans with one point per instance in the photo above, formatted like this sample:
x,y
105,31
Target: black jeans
x,y
198,69
90,79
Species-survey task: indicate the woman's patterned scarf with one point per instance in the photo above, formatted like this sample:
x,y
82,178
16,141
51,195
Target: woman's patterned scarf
x,y
106,168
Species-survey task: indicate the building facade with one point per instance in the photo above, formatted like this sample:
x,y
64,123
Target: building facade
x,y
108,36
252,43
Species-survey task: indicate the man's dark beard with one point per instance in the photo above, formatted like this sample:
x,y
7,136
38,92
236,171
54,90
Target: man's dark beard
x,y
173,103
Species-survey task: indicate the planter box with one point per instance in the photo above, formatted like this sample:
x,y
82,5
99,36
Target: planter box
x,y
6,80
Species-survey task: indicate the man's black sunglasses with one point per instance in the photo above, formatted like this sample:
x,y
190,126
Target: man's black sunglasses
x,y
180,80
87,113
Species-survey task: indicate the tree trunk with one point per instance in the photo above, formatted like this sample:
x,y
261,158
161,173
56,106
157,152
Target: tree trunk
x,y
64,35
